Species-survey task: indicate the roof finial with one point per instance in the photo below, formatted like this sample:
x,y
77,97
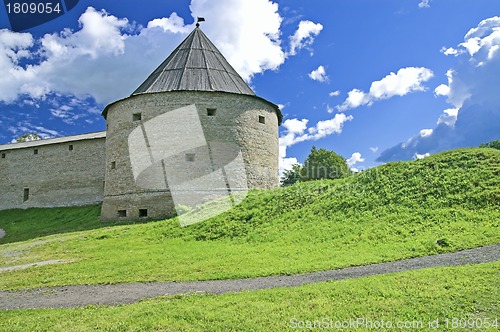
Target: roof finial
x,y
200,19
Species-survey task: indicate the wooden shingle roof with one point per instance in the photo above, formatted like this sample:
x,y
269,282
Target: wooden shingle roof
x,y
195,65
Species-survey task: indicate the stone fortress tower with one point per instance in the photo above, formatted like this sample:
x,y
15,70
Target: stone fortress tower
x,y
193,132
192,117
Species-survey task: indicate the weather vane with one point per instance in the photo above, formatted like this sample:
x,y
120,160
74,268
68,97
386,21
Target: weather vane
x,y
200,19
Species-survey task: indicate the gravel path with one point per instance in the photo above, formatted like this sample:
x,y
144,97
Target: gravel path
x,y
82,295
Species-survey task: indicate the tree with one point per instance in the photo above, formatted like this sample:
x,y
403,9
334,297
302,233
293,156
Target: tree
x,y
324,164
28,138
291,176
492,144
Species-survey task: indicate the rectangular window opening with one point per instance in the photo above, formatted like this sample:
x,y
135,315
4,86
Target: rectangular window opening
x,y
190,157
211,111
262,119
3,155
70,147
113,164
26,195
137,117
143,213
122,213
35,151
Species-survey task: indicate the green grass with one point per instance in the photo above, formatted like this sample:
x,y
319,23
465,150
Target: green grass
x,y
21,225
443,203
466,292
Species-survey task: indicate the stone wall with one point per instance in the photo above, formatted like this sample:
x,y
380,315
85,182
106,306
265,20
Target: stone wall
x,y
250,123
66,171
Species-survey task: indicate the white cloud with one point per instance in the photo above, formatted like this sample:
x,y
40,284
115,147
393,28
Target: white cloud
x,y
354,159
484,38
405,81
472,90
248,35
334,93
304,36
424,4
174,23
328,127
95,53
355,98
13,47
374,149
295,126
456,95
286,164
296,131
451,51
442,90
421,156
319,74
425,132
449,117
100,59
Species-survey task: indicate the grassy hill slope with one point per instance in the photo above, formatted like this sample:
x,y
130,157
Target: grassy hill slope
x,y
446,202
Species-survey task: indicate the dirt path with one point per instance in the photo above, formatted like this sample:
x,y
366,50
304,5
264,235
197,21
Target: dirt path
x,y
27,266
82,295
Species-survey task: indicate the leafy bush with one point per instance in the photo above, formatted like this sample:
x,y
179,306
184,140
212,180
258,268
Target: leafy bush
x,y
492,144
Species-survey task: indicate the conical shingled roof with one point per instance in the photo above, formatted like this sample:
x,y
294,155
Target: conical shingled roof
x,y
195,65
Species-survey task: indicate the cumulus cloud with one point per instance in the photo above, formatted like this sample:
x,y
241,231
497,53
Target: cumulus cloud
x,y
450,51
406,80
334,93
100,58
304,36
248,36
319,74
354,159
483,40
174,24
442,90
297,131
449,117
472,91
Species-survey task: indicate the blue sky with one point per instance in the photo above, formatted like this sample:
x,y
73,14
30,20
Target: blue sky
x,y
373,80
